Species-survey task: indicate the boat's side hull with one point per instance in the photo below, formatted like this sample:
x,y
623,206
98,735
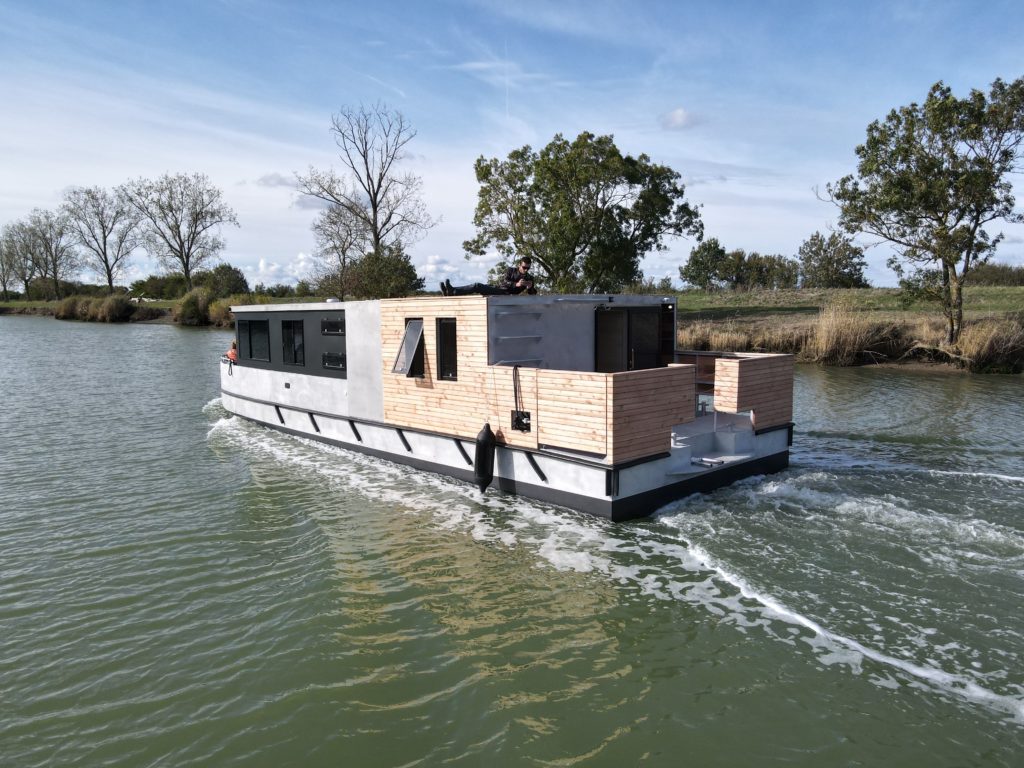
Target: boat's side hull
x,y
615,492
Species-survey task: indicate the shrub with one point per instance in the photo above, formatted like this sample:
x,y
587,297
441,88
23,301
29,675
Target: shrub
x,y
67,309
143,312
194,308
89,308
116,309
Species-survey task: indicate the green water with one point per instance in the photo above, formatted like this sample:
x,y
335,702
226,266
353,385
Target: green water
x,y
181,588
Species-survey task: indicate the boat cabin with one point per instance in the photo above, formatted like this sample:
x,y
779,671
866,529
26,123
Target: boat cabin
x,y
587,386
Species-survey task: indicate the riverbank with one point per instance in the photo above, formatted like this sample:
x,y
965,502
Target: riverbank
x,y
828,327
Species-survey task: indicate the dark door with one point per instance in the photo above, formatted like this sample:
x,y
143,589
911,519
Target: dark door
x,y
611,353
644,339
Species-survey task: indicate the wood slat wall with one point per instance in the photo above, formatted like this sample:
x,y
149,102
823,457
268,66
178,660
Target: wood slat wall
x,y
481,393
573,409
621,416
759,383
646,405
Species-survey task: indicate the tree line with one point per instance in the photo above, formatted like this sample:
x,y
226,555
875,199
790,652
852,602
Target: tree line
x,y
175,218
930,178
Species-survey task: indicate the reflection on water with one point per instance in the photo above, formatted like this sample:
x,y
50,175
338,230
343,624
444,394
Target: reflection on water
x,y
181,587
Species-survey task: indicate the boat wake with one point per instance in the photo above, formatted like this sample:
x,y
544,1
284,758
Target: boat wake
x,y
671,558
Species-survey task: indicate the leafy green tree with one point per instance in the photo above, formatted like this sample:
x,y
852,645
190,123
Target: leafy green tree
x,y
585,213
222,281
998,274
388,274
702,268
169,286
833,262
931,176
770,271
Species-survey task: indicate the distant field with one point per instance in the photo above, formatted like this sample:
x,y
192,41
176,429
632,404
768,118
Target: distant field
x,y
978,301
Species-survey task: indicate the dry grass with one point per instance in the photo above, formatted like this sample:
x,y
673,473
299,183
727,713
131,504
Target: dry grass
x,y
843,336
993,345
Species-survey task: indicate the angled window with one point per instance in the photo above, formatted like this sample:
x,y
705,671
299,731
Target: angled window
x,y
410,354
447,350
292,340
333,326
254,340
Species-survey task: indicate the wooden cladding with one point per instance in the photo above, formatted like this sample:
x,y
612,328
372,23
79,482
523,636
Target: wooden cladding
x,y
759,383
459,407
645,405
613,416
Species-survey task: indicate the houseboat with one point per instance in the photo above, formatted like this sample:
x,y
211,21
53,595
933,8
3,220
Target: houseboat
x,y
581,401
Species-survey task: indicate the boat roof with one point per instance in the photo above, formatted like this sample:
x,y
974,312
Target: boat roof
x,y
628,299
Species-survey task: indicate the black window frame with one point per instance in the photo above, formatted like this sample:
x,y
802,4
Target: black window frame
x,y
293,353
414,365
447,349
246,335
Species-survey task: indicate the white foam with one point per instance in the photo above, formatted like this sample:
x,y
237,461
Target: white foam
x,y
567,542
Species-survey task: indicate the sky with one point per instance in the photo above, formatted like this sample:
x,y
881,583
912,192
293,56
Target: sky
x,y
758,105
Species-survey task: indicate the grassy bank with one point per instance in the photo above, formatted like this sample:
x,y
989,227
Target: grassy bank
x,y
857,328
829,327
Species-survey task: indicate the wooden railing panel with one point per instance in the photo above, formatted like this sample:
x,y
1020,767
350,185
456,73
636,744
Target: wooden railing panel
x,y
759,383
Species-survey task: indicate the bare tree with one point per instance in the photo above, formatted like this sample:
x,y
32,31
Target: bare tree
x,y
341,239
19,253
53,246
372,142
106,226
7,273
180,217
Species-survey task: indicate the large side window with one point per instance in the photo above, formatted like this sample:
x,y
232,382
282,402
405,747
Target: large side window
x,y
410,354
254,340
447,349
292,340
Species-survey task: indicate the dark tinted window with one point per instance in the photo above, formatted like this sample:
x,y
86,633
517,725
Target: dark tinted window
x,y
447,350
292,339
254,340
333,326
335,360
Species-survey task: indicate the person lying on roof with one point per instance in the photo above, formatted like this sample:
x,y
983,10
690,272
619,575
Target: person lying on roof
x,y
517,280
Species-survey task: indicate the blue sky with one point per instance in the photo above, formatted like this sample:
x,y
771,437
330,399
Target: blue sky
x,y
756,104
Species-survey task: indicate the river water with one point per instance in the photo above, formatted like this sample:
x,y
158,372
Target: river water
x,y
181,588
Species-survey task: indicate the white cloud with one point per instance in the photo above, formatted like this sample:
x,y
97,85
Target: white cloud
x,y
273,273
677,120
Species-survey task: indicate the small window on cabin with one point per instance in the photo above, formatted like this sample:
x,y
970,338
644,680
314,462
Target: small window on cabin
x,y
292,340
244,347
410,354
447,349
334,361
254,340
333,326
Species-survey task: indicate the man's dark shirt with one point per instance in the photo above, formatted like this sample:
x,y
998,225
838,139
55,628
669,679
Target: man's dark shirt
x,y
513,276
